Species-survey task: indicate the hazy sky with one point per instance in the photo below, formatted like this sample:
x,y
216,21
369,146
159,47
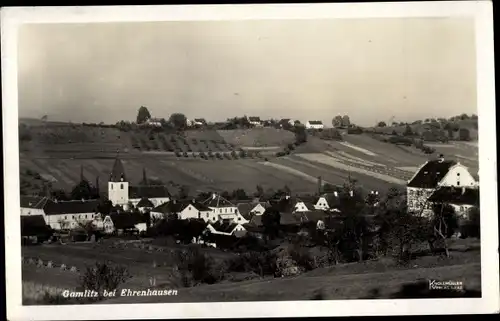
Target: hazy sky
x,y
370,69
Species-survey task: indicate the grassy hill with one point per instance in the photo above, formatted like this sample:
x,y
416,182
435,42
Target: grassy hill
x,y
221,160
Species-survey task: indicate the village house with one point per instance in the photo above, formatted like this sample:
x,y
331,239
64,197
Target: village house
x,y
314,124
327,202
255,121
286,122
34,228
60,214
154,122
124,222
145,205
432,175
249,209
120,192
184,210
222,208
199,122
226,227
462,199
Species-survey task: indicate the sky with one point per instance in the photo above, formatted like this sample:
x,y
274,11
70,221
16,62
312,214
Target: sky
x,y
383,69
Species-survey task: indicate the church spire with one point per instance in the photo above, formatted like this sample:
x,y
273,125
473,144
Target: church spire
x,y
118,172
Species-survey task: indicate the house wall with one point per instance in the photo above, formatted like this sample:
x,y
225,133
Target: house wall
x,y
258,209
25,211
68,221
118,192
458,176
142,227
301,207
311,126
417,197
109,227
322,204
189,212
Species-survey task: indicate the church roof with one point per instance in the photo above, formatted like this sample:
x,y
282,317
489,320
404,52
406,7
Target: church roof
x,y
118,172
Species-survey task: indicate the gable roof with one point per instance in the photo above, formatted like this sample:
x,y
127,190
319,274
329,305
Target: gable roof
x,y
245,208
71,207
200,120
118,172
145,202
33,225
315,122
224,226
254,118
127,220
148,191
458,196
431,174
33,202
284,120
217,201
176,206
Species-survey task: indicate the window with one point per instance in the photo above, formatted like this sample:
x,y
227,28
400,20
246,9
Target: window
x,y
458,182
65,217
458,174
111,186
208,214
121,186
461,208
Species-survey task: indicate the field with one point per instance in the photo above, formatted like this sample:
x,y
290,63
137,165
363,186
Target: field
x,y
176,160
371,279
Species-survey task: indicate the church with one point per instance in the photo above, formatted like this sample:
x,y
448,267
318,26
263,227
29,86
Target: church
x,y
121,192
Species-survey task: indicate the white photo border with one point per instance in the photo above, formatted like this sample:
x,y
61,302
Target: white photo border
x,y
480,11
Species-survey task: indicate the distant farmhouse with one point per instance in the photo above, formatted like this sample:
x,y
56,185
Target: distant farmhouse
x,y
442,181
314,124
156,122
199,122
255,121
121,193
286,122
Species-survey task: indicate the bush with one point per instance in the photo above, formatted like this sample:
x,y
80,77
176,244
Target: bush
x,y
303,258
196,267
261,263
185,154
103,276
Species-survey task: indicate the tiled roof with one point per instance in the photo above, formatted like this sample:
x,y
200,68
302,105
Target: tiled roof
x,y
292,218
33,225
148,191
315,216
118,172
245,207
33,202
217,201
71,207
200,120
431,174
224,227
175,206
458,196
127,220
256,220
253,118
315,122
145,202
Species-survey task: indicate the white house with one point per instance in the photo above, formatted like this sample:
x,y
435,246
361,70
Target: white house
x,y
120,192
226,228
222,208
432,175
199,122
249,209
255,121
31,205
314,124
153,122
462,199
183,209
286,122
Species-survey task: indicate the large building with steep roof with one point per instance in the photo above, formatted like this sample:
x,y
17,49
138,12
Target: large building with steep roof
x,y
221,208
433,175
121,193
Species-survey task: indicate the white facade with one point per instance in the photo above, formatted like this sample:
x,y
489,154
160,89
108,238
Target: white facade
x,y
314,126
258,209
458,176
26,211
237,228
157,201
68,221
301,207
322,204
118,193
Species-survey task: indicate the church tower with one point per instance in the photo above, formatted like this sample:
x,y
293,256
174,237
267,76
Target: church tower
x,y
118,185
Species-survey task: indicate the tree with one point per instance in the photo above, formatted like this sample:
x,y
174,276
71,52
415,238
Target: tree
x,y
239,194
381,124
259,191
472,226
183,192
443,224
84,191
394,132
104,207
59,195
143,115
300,134
103,276
464,134
271,221
178,120
337,121
346,122
408,131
